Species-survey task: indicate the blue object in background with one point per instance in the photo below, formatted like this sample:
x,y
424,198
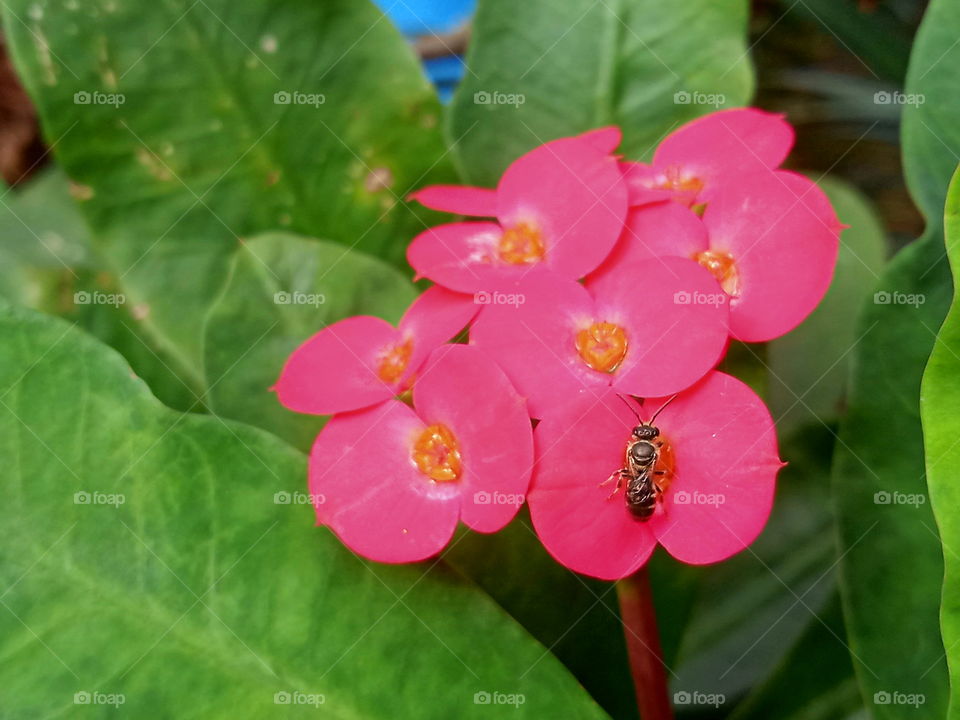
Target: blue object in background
x,y
415,18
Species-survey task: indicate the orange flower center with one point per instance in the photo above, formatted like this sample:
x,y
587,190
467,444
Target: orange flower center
x,y
602,346
437,454
394,360
673,178
724,269
521,244
666,463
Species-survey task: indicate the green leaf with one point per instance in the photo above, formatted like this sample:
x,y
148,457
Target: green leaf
x,y
891,565
281,290
891,560
46,263
181,146
814,682
805,386
752,608
515,569
178,582
939,400
539,70
42,241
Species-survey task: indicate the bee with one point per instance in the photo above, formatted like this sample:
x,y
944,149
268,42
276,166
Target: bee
x,y
644,481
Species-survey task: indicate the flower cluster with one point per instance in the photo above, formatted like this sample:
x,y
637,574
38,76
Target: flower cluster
x,y
600,295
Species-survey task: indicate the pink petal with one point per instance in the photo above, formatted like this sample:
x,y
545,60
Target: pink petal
x,y
784,237
369,492
577,448
725,450
336,369
534,341
727,143
604,139
574,194
675,315
434,318
463,257
658,230
465,391
459,199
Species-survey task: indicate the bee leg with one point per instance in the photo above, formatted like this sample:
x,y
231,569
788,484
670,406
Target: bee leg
x,y
619,475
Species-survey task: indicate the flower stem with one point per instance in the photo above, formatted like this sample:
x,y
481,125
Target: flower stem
x,y
643,646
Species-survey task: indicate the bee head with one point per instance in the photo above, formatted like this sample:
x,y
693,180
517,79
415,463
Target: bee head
x,y
645,432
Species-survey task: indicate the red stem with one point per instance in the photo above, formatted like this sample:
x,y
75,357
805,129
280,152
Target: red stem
x,y
643,646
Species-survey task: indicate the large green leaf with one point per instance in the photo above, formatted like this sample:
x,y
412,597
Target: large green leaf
x,y
541,69
282,289
42,242
221,133
752,608
939,401
805,386
892,561
814,682
46,263
145,555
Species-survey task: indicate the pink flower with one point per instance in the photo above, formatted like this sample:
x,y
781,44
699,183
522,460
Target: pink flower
x,y
392,481
651,328
770,239
560,206
364,360
719,463
699,158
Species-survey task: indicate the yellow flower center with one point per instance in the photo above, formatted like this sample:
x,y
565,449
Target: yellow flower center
x,y
602,346
437,454
521,244
394,360
724,269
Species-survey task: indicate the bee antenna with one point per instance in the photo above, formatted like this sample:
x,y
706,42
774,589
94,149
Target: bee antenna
x,y
632,409
660,410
